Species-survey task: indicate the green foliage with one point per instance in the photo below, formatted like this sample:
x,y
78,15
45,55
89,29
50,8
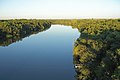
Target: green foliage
x,y
97,50
14,30
8,36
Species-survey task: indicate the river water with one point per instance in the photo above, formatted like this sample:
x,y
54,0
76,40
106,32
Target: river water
x,y
47,55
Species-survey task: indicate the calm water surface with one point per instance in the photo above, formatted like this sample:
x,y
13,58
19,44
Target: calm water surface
x,y
47,55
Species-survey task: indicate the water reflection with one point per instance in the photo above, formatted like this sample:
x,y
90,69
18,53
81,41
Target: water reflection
x,y
7,41
44,56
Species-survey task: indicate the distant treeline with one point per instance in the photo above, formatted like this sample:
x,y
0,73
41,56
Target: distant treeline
x,y
91,26
13,30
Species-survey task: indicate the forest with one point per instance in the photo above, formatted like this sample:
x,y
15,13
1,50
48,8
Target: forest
x,y
96,52
14,30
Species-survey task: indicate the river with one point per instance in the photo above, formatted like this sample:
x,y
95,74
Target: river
x,y
47,55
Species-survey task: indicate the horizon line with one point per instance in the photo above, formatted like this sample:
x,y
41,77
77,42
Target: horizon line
x,y
53,18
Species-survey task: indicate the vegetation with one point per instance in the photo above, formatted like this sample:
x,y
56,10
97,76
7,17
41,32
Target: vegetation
x,y
96,51
14,30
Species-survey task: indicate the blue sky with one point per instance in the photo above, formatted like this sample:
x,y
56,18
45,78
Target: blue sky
x,y
52,9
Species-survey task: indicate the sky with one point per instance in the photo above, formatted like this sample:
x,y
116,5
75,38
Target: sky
x,y
59,9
